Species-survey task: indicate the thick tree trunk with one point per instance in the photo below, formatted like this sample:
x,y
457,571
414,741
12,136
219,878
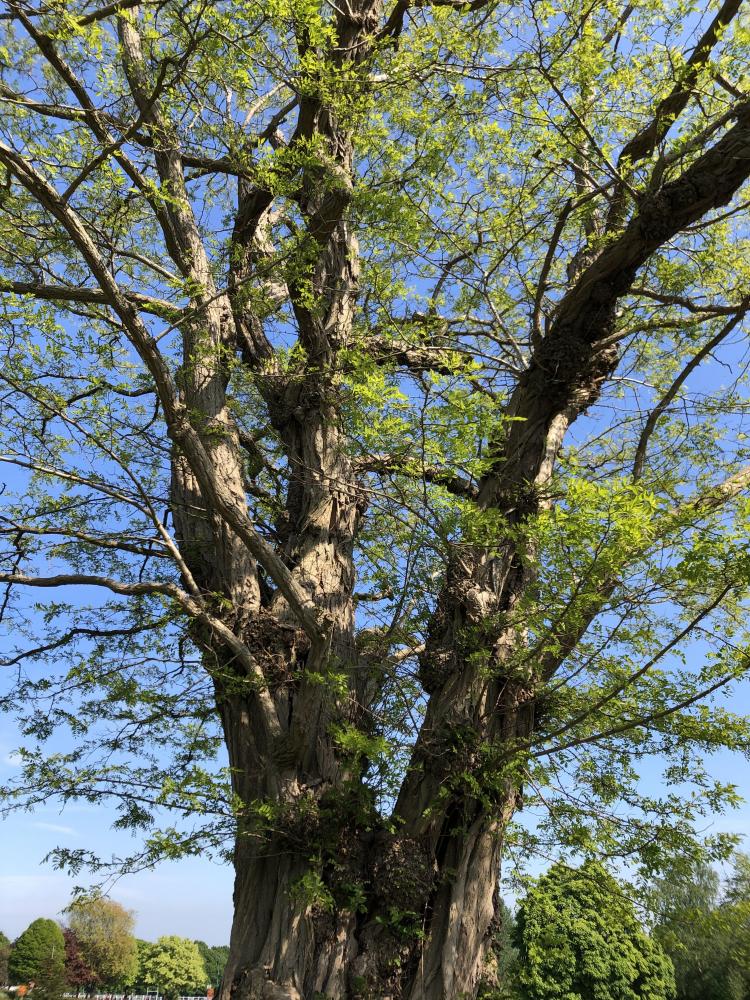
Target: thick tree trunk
x,y
286,945
419,923
333,899
283,946
428,919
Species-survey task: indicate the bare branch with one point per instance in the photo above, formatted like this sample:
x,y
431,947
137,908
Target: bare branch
x,y
684,303
111,8
63,293
541,288
89,580
679,381
674,103
400,465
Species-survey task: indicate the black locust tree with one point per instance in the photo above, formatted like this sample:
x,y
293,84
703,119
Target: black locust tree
x,y
373,396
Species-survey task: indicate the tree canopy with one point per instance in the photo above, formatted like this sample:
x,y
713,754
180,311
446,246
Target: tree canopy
x,y
173,965
374,417
103,932
579,939
705,929
40,948
214,960
78,973
4,954
52,981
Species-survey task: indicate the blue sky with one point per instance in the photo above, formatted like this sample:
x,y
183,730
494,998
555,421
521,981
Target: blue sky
x,y
192,897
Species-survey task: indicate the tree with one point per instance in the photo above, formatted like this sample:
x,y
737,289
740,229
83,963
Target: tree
x,y
78,973
362,415
706,932
684,924
136,982
4,955
578,936
214,960
51,983
173,965
5,948
500,972
40,944
103,932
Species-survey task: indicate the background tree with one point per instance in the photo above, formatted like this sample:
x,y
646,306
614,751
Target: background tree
x,y
78,973
500,974
706,931
39,947
103,932
4,955
135,982
173,965
214,960
578,937
374,400
51,983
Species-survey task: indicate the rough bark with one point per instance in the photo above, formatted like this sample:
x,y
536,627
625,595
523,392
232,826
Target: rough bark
x,y
318,873
442,863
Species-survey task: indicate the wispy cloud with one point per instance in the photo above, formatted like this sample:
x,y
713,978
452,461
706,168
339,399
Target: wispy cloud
x,y
54,828
12,760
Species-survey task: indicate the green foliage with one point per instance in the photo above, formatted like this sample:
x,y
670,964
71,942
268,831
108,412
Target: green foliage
x,y
136,982
579,939
500,972
103,931
36,952
4,955
51,983
173,965
214,960
705,929
310,890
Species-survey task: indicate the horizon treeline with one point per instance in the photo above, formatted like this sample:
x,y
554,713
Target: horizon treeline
x,y
576,933
94,950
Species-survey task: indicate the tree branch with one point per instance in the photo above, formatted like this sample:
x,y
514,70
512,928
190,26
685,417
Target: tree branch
x,y
193,606
672,106
645,720
74,633
704,503
118,544
179,427
669,395
97,123
399,465
112,8
678,300
88,580
416,358
63,293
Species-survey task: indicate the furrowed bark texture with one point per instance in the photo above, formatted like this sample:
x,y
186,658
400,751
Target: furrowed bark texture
x,y
296,934
330,899
442,862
